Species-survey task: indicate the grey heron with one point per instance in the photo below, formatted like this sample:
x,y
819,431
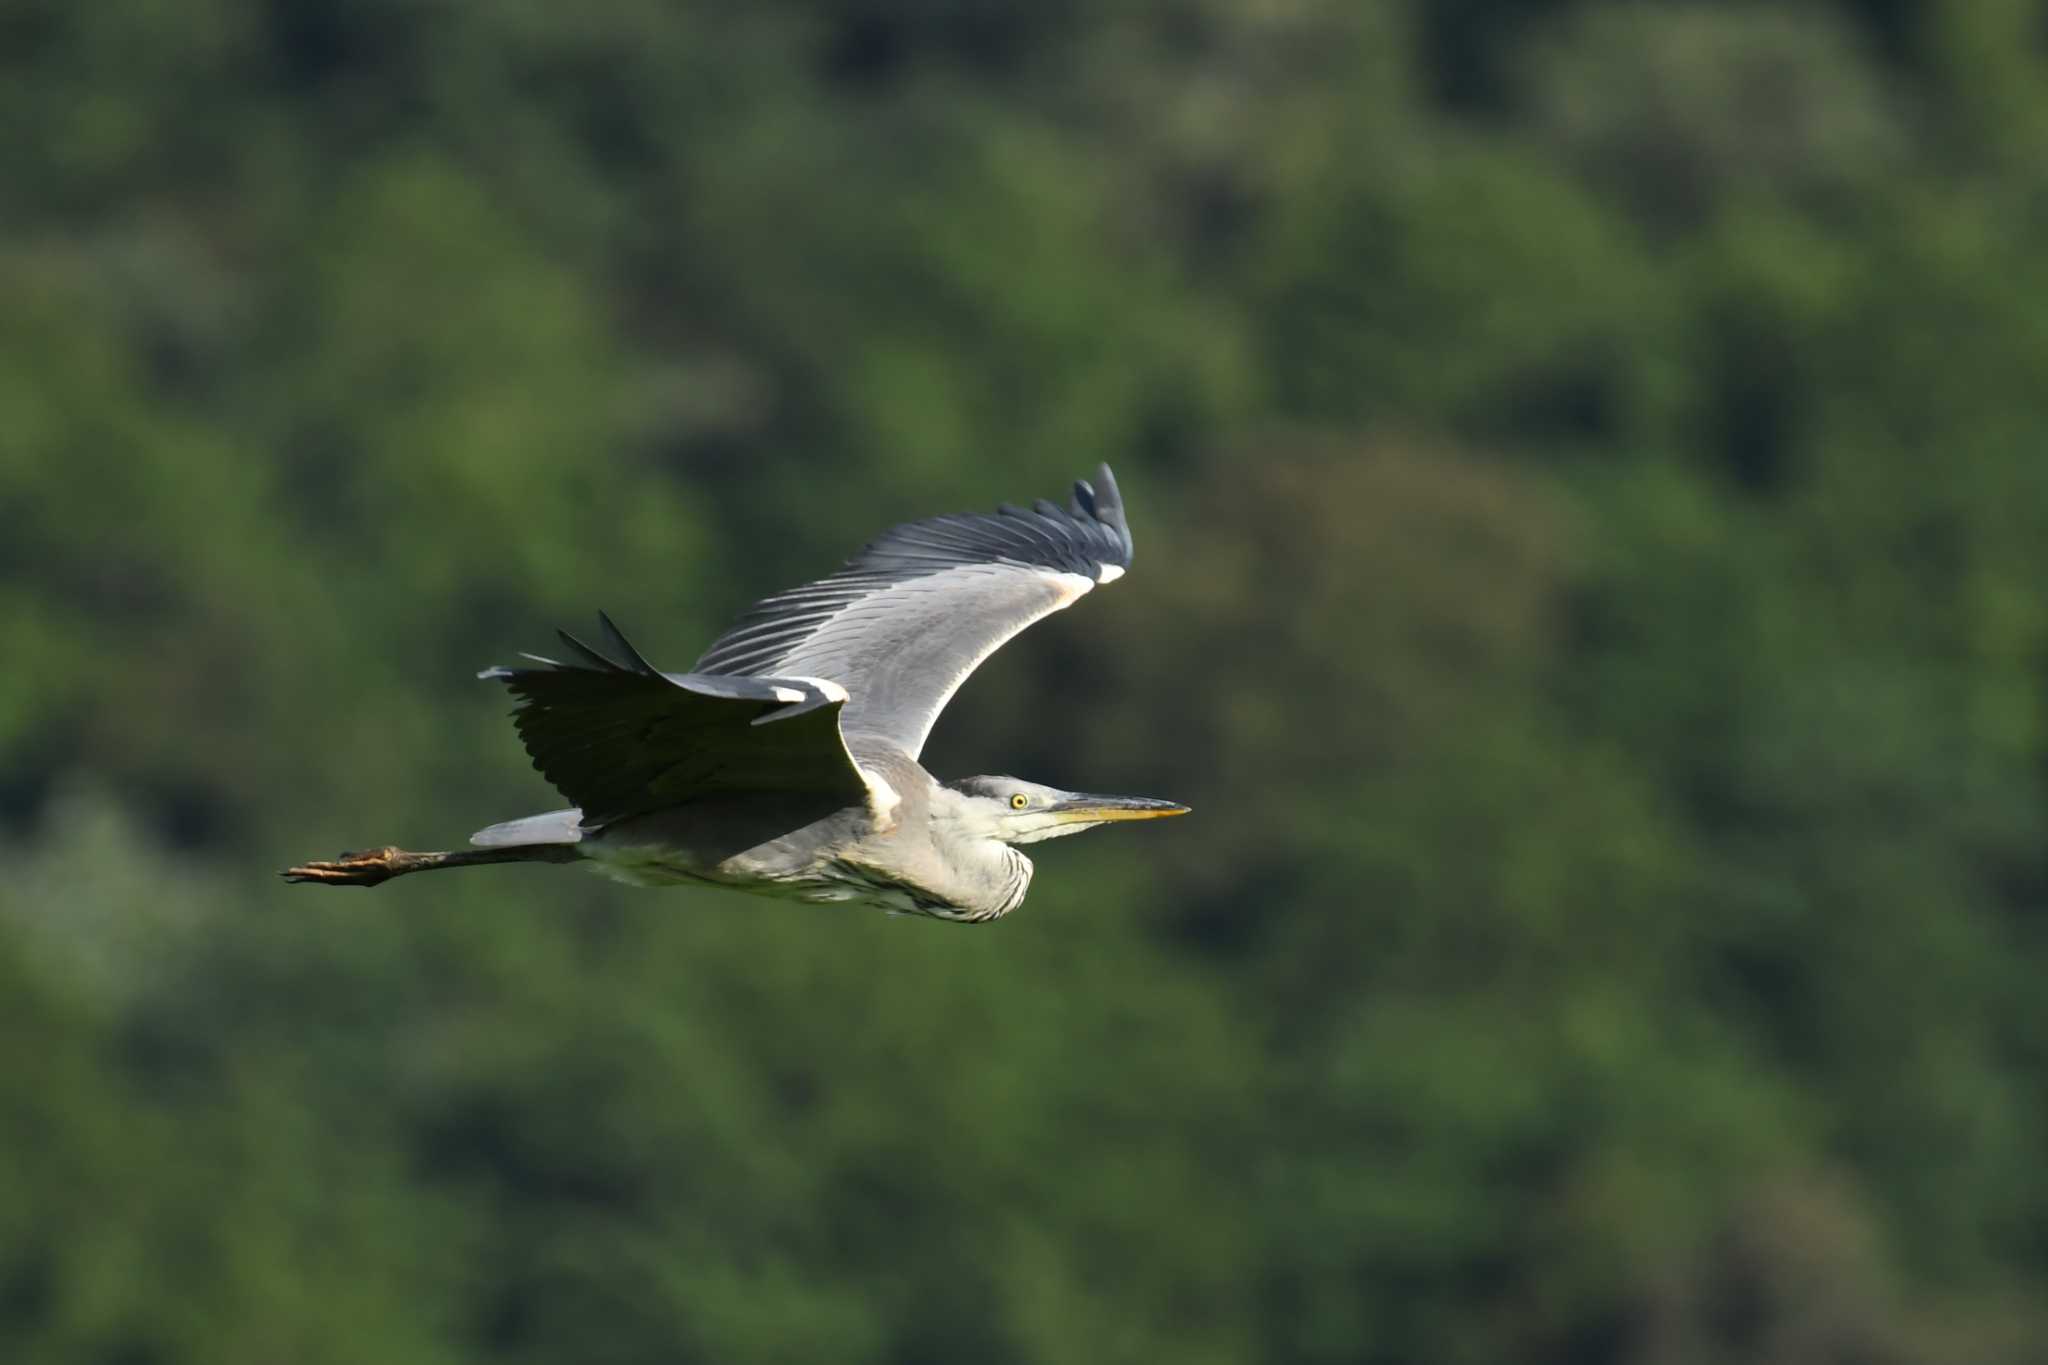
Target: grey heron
x,y
785,762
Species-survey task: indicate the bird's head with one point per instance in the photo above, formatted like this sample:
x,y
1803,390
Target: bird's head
x,y
1019,812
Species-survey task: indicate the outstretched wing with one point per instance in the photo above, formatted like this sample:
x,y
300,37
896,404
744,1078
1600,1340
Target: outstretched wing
x,y
909,617
622,738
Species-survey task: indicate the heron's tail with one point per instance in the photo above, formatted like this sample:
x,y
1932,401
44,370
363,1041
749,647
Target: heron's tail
x,y
555,827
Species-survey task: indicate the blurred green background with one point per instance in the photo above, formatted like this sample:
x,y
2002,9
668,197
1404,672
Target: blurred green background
x,y
1589,465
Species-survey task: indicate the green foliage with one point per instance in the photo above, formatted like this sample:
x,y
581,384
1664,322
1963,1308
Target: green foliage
x,y
1587,470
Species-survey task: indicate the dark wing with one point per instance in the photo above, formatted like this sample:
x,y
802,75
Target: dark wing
x,y
909,617
622,738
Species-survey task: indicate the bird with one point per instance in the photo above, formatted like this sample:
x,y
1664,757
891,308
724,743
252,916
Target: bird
x,y
785,762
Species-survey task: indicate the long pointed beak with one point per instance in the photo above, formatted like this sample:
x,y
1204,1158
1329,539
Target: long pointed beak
x,y
1083,807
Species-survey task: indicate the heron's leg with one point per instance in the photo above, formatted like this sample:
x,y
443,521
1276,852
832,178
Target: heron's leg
x,y
382,864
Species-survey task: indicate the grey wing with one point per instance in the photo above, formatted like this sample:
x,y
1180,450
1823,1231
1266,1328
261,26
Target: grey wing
x,y
908,618
621,739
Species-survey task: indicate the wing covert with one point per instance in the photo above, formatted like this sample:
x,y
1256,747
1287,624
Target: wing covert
x,y
906,620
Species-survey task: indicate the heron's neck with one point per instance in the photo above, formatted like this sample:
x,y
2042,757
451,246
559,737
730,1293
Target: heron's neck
x,y
981,871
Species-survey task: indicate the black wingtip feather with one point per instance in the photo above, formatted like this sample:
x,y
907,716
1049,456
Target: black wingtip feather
x,y
1102,503
617,640
590,657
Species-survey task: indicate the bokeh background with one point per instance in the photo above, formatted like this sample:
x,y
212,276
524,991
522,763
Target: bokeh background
x,y
1589,464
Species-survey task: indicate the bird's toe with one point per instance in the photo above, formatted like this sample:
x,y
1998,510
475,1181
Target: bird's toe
x,y
350,869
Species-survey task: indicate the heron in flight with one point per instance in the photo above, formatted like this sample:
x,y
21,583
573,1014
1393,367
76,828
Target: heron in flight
x,y
785,762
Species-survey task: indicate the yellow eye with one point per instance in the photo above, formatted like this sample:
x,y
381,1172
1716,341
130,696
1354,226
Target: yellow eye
x,y
1019,801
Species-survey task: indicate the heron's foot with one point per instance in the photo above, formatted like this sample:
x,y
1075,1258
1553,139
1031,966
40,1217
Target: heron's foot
x,y
353,869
